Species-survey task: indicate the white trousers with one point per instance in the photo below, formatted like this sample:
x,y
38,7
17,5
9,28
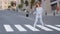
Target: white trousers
x,y
36,20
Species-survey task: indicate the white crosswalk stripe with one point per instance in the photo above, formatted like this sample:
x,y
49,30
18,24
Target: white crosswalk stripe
x,y
56,28
32,28
20,28
58,25
8,28
44,28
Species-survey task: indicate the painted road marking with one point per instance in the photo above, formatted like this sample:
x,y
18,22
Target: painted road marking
x,y
32,28
56,28
58,25
20,28
44,28
8,28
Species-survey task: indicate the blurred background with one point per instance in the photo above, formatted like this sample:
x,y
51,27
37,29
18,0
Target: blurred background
x,y
20,12
50,6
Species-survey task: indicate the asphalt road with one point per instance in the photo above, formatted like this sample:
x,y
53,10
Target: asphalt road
x,y
12,22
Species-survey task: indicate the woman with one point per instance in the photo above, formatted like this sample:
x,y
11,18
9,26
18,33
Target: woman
x,y
38,12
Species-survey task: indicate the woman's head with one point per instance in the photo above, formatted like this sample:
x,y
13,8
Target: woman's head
x,y
38,4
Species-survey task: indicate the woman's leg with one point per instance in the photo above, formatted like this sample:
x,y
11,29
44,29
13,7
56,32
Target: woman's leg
x,y
41,21
36,20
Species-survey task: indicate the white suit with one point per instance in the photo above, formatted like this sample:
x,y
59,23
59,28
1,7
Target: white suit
x,y
38,13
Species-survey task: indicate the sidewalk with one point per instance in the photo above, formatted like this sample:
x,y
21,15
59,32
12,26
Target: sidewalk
x,y
50,14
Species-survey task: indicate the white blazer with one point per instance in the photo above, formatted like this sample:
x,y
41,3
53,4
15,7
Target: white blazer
x,y
39,10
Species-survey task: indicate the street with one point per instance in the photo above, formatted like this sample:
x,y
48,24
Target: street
x,y
12,22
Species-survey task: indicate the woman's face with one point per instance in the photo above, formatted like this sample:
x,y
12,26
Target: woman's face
x,y
37,5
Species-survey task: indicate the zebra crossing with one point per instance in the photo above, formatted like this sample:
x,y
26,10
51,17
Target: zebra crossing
x,y
58,29
31,28
21,28
58,25
8,28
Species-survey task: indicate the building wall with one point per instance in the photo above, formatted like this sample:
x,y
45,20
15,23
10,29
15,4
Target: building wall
x,y
0,4
4,4
58,3
46,5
